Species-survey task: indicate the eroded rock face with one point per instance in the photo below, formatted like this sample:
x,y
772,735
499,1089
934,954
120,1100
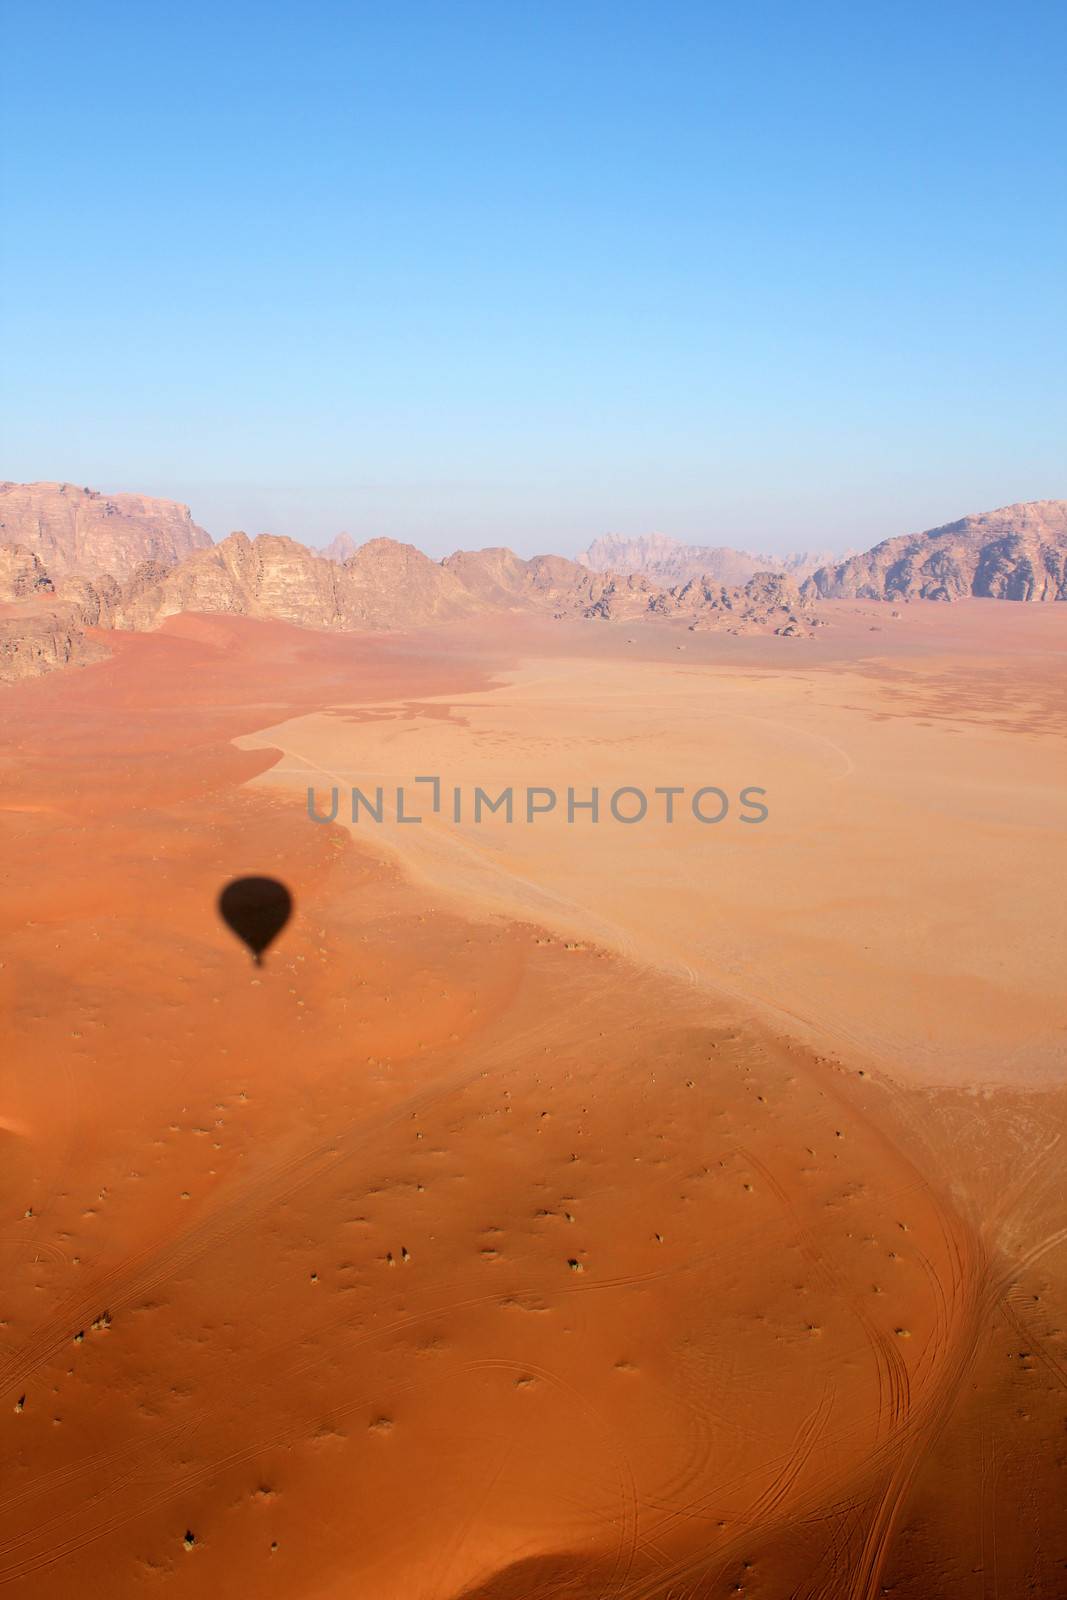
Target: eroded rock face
x,y
769,601
92,601
36,637
1016,553
384,585
22,574
73,530
42,624
239,574
391,585
280,578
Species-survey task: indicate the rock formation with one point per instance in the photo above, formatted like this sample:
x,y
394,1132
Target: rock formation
x,y
22,575
391,585
36,638
769,601
92,601
384,585
265,577
42,624
78,530
1016,553
551,584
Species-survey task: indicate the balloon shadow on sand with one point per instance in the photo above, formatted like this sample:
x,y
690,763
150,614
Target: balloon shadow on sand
x,y
256,910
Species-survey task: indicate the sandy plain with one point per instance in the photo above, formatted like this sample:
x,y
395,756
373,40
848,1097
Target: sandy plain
x,y
636,1211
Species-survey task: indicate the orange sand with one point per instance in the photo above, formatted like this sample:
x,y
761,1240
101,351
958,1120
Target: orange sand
x,y
537,1223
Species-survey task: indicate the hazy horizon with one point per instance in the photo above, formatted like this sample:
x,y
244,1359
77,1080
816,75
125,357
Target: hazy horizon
x,y
576,542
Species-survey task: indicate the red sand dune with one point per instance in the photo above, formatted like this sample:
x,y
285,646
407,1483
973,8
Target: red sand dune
x,y
450,1256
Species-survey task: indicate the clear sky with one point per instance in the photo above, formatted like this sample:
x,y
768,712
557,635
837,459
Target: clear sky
x,y
775,275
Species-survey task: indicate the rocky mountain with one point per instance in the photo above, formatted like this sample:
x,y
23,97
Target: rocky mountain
x,y
42,624
669,561
1016,553
384,585
79,530
49,618
36,638
341,548
266,577
22,576
551,584
494,576
391,585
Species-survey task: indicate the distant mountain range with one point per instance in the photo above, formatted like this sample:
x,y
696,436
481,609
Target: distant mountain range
x,y
341,548
668,561
72,559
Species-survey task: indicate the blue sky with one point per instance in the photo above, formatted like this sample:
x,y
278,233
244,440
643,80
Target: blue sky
x,y
771,274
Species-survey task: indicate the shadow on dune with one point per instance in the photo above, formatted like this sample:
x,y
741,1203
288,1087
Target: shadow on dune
x,y
559,1577
814,1559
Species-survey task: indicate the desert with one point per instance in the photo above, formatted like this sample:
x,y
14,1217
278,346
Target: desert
x,y
561,1209
533,799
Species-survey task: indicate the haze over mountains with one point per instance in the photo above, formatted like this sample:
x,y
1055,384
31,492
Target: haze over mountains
x,y
340,548
72,559
669,561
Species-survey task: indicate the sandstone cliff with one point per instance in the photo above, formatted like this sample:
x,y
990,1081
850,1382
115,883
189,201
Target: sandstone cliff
x,y
78,530
22,575
384,585
43,624
39,635
391,585
1016,553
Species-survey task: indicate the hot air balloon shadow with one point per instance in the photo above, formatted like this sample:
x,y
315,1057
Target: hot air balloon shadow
x,y
256,910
